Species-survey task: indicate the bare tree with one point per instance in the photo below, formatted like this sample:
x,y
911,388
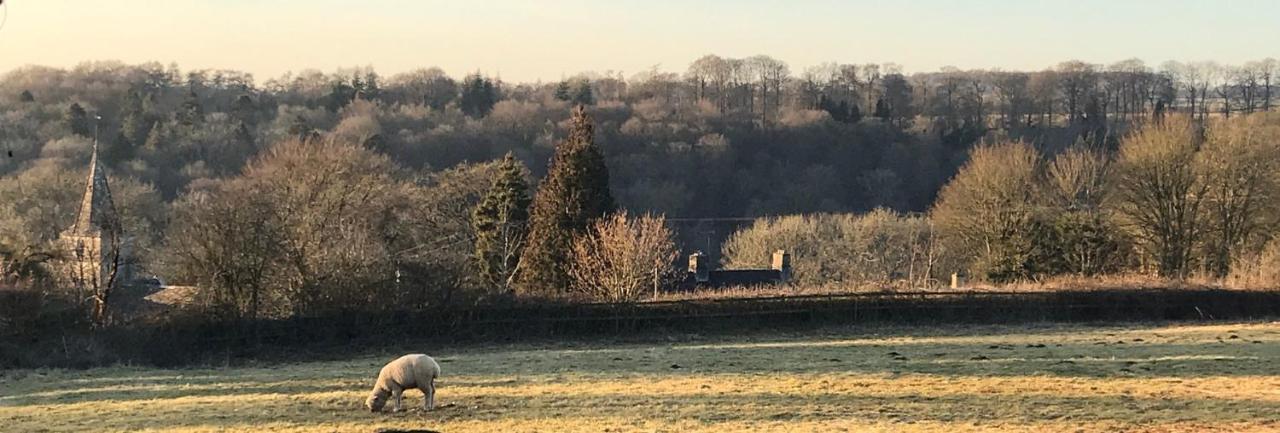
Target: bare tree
x,y
868,76
1239,163
620,259
1159,194
1013,97
1269,70
1223,78
1042,87
1078,82
1185,79
1077,179
340,208
226,241
988,206
710,74
430,87
770,74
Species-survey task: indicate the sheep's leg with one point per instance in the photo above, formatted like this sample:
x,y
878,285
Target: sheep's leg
x,y
397,394
429,396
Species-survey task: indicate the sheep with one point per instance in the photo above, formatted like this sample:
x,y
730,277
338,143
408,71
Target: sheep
x,y
409,371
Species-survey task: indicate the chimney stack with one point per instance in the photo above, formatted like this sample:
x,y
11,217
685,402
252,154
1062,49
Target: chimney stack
x,y
699,267
782,264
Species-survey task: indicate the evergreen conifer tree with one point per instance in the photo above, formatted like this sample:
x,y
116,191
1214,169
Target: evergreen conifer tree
x,y
478,96
135,126
582,93
501,223
574,193
77,120
119,149
882,110
562,91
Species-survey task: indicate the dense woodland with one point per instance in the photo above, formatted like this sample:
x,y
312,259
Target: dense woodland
x,y
367,186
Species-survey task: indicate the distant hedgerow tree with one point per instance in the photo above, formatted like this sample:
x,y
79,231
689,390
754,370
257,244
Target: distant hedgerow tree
x,y
575,192
501,223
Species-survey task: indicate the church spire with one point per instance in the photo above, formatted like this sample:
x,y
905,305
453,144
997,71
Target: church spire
x,y
97,212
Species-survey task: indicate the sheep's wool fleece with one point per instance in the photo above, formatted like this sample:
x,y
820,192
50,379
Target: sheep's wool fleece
x,y
409,371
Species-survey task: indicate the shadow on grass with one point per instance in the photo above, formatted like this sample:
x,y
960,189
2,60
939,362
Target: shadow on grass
x,y
1002,352
1092,358
974,359
973,407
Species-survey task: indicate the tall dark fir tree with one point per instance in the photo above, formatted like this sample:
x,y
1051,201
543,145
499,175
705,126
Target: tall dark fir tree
x,y
501,223
574,193
77,120
479,94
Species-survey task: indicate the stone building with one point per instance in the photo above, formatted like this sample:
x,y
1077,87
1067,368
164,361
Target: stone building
x,y
701,274
94,248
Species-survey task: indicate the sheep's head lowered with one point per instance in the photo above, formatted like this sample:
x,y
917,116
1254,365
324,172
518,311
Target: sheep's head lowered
x,y
376,401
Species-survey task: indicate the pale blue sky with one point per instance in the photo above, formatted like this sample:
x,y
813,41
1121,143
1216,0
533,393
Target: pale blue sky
x,y
530,40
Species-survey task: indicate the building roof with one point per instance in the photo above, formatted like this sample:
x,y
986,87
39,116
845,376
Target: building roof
x,y
735,277
97,212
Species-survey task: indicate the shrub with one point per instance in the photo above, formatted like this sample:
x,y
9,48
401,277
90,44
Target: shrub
x,y
881,247
620,259
1078,243
987,209
1260,270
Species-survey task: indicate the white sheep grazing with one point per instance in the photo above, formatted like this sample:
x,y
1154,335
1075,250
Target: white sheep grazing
x,y
407,372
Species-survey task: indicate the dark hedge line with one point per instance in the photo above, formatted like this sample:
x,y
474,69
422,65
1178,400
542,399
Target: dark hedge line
x,y
187,340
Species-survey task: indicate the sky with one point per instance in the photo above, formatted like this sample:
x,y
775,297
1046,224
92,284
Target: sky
x,y
549,40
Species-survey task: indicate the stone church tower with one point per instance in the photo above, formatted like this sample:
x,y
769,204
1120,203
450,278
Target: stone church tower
x,y
94,245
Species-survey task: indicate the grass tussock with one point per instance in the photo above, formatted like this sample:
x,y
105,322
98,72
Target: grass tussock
x,y
1028,378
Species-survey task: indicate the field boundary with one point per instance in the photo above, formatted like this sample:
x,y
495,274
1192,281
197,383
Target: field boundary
x,y
178,341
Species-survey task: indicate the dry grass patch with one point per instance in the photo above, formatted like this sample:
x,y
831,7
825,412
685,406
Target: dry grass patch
x,y
1061,283
1026,378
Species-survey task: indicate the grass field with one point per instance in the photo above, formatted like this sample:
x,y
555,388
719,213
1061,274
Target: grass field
x,y
1026,378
